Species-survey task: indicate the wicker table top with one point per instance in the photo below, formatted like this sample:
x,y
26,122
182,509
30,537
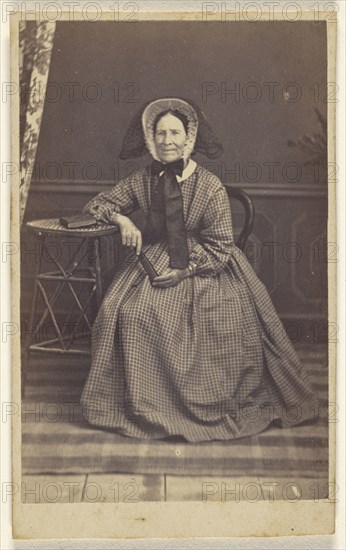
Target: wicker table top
x,y
53,226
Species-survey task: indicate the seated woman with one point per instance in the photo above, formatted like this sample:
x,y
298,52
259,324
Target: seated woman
x,y
200,352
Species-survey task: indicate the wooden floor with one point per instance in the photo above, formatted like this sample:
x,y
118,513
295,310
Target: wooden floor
x,y
127,488
64,459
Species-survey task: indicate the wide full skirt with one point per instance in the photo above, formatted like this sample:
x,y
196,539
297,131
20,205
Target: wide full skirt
x,y
206,359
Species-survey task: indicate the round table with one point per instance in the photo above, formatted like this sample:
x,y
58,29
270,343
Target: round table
x,y
67,275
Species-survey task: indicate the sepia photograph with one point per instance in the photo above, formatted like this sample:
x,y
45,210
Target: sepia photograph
x,y
177,331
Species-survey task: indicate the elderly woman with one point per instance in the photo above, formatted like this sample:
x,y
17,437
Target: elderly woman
x,y
199,352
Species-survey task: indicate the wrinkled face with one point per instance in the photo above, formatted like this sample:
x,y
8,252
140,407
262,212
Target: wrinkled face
x,y
170,138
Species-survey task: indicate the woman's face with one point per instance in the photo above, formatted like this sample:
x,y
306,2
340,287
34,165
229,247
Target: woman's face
x,y
170,138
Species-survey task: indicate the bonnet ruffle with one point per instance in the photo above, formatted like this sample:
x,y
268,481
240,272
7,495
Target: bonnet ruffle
x,y
139,138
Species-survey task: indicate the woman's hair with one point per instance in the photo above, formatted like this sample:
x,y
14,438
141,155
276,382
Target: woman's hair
x,y
174,112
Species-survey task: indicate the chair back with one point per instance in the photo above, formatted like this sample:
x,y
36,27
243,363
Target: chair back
x,y
249,213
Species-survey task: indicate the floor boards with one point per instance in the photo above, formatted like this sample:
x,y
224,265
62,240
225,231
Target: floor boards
x,y
64,458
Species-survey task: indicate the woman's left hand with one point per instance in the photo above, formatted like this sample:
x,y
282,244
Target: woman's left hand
x,y
171,277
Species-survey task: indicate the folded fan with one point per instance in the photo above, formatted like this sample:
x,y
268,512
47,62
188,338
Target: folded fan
x,y
148,267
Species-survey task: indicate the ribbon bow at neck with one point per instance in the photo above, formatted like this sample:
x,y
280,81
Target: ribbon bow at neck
x,y
166,216
158,167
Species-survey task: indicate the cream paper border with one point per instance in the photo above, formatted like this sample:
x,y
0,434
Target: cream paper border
x,y
165,519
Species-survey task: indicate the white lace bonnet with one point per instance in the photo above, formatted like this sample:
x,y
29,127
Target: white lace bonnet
x,y
158,106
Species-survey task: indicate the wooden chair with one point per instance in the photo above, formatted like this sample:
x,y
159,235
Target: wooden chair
x,y
249,216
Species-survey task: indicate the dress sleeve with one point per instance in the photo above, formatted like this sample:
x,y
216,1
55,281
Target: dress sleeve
x,y
213,252
122,198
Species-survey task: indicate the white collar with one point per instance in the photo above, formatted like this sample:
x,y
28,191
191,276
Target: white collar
x,y
188,170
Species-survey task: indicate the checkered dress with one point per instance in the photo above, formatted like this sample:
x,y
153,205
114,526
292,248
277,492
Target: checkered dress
x,y
206,359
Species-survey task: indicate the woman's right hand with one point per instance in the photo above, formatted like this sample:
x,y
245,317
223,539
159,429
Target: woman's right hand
x,y
130,234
